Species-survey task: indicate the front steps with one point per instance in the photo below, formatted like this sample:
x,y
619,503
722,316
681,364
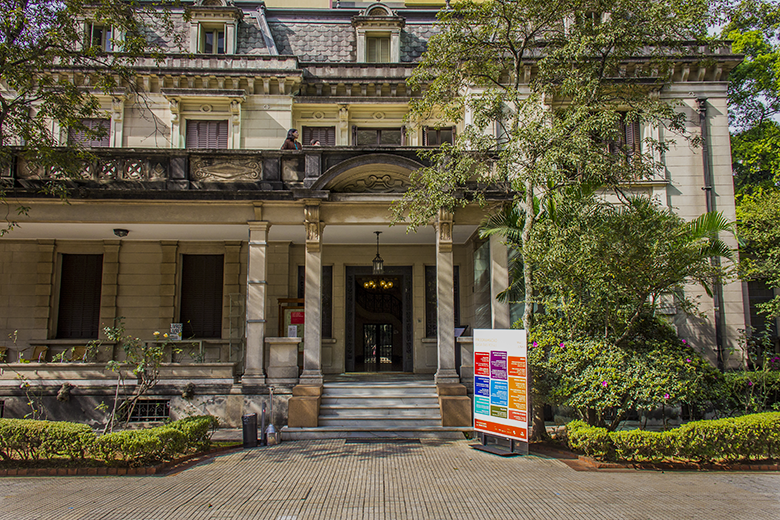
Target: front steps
x,y
404,408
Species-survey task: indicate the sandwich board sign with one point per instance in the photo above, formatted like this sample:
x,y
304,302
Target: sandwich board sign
x,y
501,383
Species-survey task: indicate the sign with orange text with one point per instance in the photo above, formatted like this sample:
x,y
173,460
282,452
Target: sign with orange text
x,y
501,383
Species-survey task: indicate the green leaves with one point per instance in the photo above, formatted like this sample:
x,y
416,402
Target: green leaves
x,y
601,266
758,217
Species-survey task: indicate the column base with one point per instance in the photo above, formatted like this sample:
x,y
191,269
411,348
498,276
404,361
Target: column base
x,y
446,375
253,380
311,377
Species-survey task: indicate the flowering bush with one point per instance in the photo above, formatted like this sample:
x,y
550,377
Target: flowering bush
x,y
603,381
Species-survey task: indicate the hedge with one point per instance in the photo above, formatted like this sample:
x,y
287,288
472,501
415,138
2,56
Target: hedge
x,y
750,437
25,439
32,440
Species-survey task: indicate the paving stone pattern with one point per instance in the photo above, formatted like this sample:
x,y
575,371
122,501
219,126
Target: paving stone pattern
x,y
431,479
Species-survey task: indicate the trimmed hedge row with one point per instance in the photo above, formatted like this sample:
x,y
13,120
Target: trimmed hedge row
x,y
750,437
33,440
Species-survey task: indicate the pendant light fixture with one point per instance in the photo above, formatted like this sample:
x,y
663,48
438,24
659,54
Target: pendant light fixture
x,y
379,264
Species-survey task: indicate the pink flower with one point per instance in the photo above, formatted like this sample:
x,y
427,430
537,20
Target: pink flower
x,y
685,342
687,360
666,396
750,383
535,344
562,345
604,384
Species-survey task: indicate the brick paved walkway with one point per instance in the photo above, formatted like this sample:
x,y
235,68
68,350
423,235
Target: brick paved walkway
x,y
430,480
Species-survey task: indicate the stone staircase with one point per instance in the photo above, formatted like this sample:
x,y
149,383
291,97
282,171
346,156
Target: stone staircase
x,y
403,408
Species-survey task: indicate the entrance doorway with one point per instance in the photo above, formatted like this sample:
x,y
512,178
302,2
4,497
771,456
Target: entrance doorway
x,y
379,320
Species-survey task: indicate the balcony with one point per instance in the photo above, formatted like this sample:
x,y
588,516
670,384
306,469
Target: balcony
x,y
213,174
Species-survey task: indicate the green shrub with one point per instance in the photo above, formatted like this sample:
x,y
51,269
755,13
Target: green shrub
x,y
141,447
750,437
591,440
197,430
751,391
31,440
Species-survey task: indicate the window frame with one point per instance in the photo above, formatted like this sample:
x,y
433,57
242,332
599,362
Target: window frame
x,y
378,130
215,303
438,131
215,30
71,304
209,122
78,138
330,135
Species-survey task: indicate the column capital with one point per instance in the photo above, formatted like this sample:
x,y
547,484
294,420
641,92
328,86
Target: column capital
x,y
314,227
259,225
443,226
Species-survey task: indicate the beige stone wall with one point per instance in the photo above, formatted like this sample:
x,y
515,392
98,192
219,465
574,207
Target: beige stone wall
x,y
22,309
685,195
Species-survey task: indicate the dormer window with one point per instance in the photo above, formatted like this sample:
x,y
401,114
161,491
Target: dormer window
x,y
378,31
214,27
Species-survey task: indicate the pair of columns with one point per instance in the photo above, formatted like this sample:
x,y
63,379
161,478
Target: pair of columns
x,y
257,286
256,296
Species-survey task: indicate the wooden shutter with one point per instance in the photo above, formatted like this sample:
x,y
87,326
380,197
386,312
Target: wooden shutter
x,y
201,296
632,137
81,281
94,124
207,134
326,135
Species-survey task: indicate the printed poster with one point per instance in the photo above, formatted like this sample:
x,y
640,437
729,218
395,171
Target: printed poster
x,y
501,383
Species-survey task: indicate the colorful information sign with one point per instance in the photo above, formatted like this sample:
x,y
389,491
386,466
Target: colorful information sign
x,y
501,383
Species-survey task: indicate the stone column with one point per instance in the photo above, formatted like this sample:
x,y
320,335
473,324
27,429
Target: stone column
x,y
499,281
312,333
445,302
257,287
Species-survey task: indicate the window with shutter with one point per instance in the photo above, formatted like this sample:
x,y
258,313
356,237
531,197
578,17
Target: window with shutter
x,y
99,126
207,134
326,135
201,296
81,280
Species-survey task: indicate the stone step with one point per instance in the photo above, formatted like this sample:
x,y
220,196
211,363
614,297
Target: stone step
x,y
388,411
372,401
379,421
377,390
330,432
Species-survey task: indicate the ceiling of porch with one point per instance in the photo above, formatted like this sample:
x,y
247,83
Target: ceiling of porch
x,y
332,234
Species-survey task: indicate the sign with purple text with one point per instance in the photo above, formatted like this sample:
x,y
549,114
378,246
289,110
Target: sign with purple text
x,y
501,383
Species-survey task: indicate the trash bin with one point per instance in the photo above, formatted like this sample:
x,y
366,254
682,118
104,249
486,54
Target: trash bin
x,y
249,423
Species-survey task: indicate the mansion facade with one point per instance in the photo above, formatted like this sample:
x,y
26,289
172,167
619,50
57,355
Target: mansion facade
x,y
193,215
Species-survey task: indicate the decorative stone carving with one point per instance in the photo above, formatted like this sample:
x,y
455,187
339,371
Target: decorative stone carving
x,y
375,184
312,221
444,230
210,169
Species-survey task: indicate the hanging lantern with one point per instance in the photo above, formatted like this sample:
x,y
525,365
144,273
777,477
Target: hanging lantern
x,y
379,264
